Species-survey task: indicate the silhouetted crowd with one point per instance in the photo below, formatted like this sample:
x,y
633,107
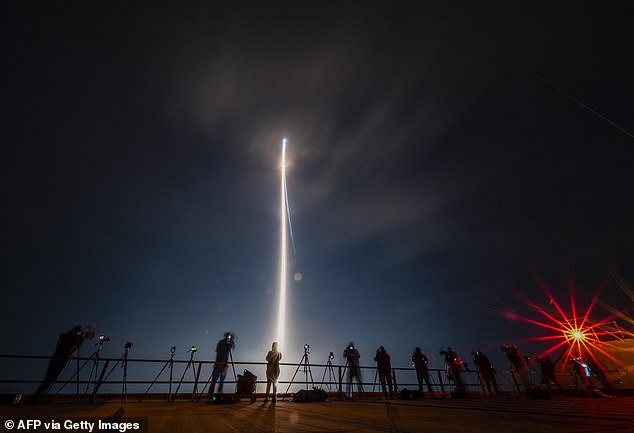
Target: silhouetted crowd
x,y
585,374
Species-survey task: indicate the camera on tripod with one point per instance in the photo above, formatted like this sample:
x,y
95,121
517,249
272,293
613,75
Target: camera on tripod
x,y
103,339
128,345
331,356
349,350
192,349
173,349
306,348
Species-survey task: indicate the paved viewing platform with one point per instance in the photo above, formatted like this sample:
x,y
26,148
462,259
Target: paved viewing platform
x,y
504,414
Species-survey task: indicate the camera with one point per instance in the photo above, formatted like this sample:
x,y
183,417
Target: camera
x,y
331,356
306,348
104,339
86,335
173,349
128,345
193,349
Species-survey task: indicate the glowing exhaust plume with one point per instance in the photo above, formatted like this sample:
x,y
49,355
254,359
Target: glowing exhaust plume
x,y
281,315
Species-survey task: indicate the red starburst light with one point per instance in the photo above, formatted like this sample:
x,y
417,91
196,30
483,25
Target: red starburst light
x,y
577,334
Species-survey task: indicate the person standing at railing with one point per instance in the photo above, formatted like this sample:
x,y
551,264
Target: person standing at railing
x,y
352,356
421,363
273,359
515,356
454,367
223,351
486,372
384,368
547,372
67,344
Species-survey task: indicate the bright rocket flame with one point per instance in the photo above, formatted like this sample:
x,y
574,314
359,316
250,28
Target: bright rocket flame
x,y
281,315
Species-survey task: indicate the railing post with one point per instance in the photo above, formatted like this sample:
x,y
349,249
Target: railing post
x,y
442,386
340,382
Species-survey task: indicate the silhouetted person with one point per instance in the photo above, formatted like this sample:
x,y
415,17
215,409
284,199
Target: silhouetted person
x,y
455,367
485,371
582,374
422,370
67,344
515,356
547,372
223,351
273,359
354,372
384,369
599,374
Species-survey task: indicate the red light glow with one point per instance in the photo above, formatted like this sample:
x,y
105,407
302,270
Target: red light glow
x,y
576,333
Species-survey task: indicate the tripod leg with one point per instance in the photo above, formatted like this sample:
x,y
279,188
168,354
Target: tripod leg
x,y
75,375
124,389
182,377
154,381
202,392
233,366
293,378
394,383
196,374
343,375
77,381
359,382
310,372
171,364
331,377
376,373
95,362
323,378
113,367
100,380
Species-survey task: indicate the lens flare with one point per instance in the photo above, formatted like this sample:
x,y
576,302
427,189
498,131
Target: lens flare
x,y
577,334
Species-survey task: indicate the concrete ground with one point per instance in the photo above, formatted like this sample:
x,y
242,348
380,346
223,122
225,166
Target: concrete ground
x,y
509,414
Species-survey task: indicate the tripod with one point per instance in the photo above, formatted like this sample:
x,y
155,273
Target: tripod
x,y
304,362
217,374
95,360
124,361
331,373
95,368
190,363
353,371
169,363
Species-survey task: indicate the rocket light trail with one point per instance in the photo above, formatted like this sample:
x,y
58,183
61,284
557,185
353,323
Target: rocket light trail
x,y
284,226
288,208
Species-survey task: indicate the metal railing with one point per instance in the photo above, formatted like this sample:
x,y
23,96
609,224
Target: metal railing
x,y
86,379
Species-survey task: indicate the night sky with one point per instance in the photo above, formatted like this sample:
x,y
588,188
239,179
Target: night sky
x,y
436,156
